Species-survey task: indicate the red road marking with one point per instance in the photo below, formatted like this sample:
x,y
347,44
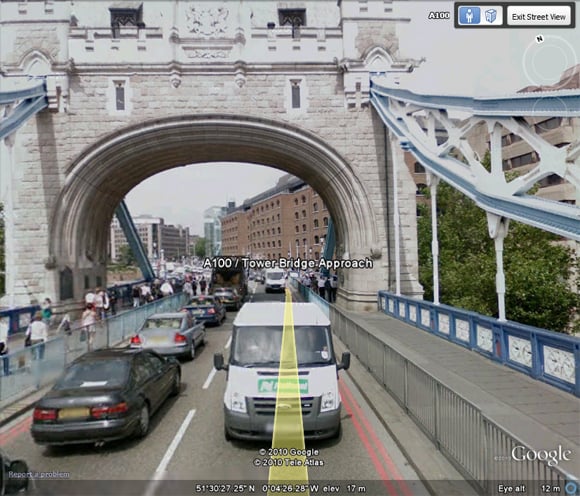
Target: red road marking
x,y
15,431
376,462
383,452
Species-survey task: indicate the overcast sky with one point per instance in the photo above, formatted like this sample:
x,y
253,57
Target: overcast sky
x,y
458,61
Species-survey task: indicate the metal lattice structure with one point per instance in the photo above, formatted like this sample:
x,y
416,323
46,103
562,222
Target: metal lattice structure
x,y
20,105
400,110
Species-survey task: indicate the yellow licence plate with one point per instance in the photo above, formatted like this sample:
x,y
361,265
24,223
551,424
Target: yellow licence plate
x,y
157,340
70,413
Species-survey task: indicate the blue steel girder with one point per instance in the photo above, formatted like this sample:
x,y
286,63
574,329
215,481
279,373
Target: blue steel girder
x,y
329,245
490,190
21,105
134,240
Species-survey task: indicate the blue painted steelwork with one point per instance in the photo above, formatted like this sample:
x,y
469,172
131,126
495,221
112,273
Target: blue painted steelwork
x,y
564,103
561,219
134,240
530,346
329,246
31,101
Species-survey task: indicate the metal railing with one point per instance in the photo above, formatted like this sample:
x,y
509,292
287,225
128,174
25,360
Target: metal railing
x,y
29,369
478,447
547,356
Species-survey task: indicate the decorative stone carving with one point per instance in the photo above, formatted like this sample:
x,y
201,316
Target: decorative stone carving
x,y
240,74
376,252
207,54
175,79
207,22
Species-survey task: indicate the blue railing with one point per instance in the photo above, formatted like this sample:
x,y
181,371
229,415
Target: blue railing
x,y
547,356
311,296
19,318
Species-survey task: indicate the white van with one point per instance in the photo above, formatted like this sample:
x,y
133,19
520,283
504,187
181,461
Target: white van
x,y
275,280
253,368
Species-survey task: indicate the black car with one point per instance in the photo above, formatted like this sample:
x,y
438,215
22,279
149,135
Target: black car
x,y
209,309
230,298
105,395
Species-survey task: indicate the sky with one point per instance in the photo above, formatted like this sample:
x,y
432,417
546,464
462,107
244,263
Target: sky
x,y
467,62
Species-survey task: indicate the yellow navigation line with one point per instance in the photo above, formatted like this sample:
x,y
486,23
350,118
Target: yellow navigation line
x,y
288,427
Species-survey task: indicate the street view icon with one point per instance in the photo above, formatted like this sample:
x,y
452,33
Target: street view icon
x,y
491,15
469,15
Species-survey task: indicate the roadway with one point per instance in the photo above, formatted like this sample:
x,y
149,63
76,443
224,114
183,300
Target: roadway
x,y
186,445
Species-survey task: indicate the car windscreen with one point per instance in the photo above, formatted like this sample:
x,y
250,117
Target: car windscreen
x,y
275,276
108,374
257,346
172,323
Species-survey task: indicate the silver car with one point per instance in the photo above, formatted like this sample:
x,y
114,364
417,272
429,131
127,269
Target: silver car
x,y
175,334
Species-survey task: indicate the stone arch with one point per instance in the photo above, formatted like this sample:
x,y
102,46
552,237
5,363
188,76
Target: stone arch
x,y
36,63
98,180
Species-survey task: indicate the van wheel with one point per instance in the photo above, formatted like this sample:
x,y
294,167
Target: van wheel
x,y
227,434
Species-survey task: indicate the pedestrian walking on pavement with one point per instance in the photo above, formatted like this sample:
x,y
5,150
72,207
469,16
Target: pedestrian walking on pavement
x,y
37,333
89,319
333,288
113,297
136,293
166,289
4,327
101,304
47,311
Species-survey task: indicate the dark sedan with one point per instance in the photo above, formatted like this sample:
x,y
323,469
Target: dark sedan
x,y
209,309
105,395
230,298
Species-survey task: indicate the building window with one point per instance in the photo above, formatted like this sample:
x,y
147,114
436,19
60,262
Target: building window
x,y
295,201
120,95
419,169
315,207
303,199
315,223
297,229
526,159
316,254
303,214
296,215
125,18
279,231
278,217
316,240
277,203
421,189
295,88
304,241
552,123
303,227
279,243
296,18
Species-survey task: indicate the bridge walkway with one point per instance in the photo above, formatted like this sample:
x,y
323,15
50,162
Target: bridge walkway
x,y
538,414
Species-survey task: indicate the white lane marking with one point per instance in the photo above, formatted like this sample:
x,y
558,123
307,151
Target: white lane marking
x,y
228,343
161,471
209,378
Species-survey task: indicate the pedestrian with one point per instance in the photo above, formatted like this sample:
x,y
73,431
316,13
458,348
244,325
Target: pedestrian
x,y
194,286
136,294
327,288
37,333
187,288
101,304
113,296
333,288
146,295
166,289
47,311
202,286
321,284
89,319
4,327
90,298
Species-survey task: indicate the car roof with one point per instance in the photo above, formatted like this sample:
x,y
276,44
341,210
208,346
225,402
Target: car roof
x,y
272,314
168,315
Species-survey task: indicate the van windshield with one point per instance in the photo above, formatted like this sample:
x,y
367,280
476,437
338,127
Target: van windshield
x,y
275,276
261,346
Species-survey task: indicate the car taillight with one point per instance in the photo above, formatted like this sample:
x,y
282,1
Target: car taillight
x,y
135,340
211,310
99,412
180,338
43,414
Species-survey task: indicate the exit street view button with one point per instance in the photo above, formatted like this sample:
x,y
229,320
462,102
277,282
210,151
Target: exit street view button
x,y
539,15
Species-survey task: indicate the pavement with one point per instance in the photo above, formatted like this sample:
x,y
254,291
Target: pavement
x,y
539,415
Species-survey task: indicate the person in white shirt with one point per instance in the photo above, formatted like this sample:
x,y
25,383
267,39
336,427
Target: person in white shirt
x,y
101,304
321,285
166,289
146,293
89,318
38,334
90,298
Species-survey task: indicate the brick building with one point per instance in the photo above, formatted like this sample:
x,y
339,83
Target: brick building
x,y
290,218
